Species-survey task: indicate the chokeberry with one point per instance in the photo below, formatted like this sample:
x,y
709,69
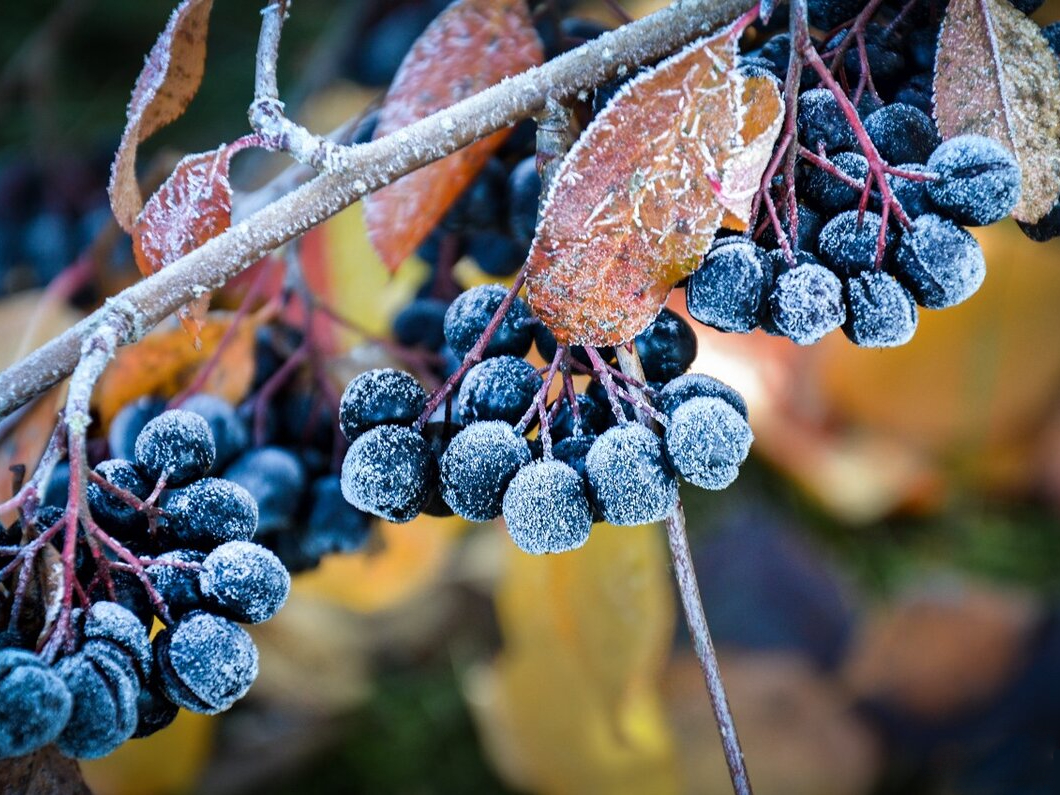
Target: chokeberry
x,y
244,581
178,584
629,478
421,323
103,714
35,703
388,473
380,397
706,442
524,188
209,512
545,508
727,291
831,193
176,445
807,303
693,385
335,526
592,418
154,711
667,347
911,193
275,479
470,314
501,388
111,511
496,254
848,243
477,467
902,133
978,180
127,424
881,313
940,263
114,623
821,122
230,435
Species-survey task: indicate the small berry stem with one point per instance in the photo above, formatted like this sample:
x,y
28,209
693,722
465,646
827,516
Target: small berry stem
x,y
604,374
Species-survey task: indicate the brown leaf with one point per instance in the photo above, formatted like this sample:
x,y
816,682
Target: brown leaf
x,y
167,83
163,364
470,46
638,199
44,772
995,75
192,206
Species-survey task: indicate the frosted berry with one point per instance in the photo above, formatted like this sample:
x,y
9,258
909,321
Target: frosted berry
x,y
902,133
546,510
177,445
667,347
421,323
911,194
35,703
335,526
629,478
154,711
388,473
470,314
940,263
244,582
727,291
380,397
103,714
831,193
477,467
276,479
501,388
206,663
209,512
114,623
706,442
807,303
848,246
881,313
978,180
593,418
178,585
821,122
692,385
127,424
230,436
118,517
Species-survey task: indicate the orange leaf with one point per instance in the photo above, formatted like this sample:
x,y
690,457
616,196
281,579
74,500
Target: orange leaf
x,y
167,83
470,46
638,199
163,364
192,206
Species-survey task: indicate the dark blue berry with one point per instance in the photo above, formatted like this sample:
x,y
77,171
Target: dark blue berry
x,y
421,324
209,512
911,193
230,435
275,479
921,44
881,53
176,445
104,693
477,467
902,133
978,180
334,526
127,424
524,189
206,663
810,224
940,263
178,585
667,347
496,254
820,121
807,303
727,291
1045,228
115,623
388,473
375,55
629,478
848,244
881,313
57,492
481,206
35,704
828,14
501,388
470,314
244,582
593,418
917,91
380,397
153,710
706,442
693,385
1052,35
113,513
545,508
831,193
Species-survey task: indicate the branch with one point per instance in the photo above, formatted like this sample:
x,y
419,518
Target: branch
x,y
371,166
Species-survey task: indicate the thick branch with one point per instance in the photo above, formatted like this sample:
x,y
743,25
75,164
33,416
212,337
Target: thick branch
x,y
372,166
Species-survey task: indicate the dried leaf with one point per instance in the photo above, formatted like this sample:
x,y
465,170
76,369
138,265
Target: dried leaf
x,y
192,206
163,363
44,772
637,201
167,83
995,75
470,46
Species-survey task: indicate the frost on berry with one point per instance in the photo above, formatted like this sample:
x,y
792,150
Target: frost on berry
x,y
245,581
940,263
388,472
117,624
881,313
468,315
706,442
35,703
176,445
477,467
501,388
546,510
807,303
629,478
103,714
693,385
380,396
209,512
978,180
728,289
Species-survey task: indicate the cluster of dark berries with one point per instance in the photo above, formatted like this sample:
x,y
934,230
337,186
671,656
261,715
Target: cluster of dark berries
x,y
190,563
848,254
589,460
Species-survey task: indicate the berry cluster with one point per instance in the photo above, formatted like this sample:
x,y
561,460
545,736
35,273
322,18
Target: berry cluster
x,y
590,458
163,539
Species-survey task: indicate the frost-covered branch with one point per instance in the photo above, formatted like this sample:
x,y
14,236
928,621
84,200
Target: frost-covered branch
x,y
372,166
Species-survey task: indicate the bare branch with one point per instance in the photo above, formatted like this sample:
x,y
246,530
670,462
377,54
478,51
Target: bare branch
x,y
371,167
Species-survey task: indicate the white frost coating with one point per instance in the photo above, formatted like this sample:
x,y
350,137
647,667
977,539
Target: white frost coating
x,y
213,658
629,479
247,581
477,467
546,510
940,263
119,625
707,441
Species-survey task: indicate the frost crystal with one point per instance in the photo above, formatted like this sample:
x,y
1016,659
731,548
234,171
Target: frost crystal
x,y
477,467
546,510
707,441
628,476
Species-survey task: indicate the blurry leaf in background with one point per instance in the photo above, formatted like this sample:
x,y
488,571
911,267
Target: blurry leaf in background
x,y
44,772
942,651
404,560
166,763
571,705
163,363
798,729
868,432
